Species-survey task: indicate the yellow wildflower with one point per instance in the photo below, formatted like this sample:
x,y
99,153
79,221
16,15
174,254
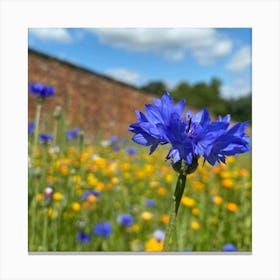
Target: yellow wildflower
x,y
195,225
187,201
115,181
146,216
227,183
153,245
39,197
76,206
217,199
57,196
195,211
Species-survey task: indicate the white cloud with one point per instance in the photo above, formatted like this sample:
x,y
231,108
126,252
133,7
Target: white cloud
x,y
237,88
125,75
204,44
241,60
52,34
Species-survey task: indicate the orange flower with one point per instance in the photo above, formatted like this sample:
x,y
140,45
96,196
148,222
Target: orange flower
x,y
162,191
218,200
165,219
231,206
227,183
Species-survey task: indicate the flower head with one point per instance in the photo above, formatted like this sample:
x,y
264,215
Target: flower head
x,y
150,202
83,237
45,138
126,220
229,247
71,134
103,229
131,151
31,127
159,235
191,136
41,90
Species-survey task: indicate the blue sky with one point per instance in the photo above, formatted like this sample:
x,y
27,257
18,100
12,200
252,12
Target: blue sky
x,y
139,55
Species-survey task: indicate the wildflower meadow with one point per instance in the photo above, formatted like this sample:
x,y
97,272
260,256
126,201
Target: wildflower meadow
x,y
95,194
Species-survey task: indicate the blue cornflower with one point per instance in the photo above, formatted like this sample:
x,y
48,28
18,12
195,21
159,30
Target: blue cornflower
x,y
116,148
126,220
131,151
114,139
103,229
83,237
41,90
229,247
45,138
190,137
71,134
31,127
150,202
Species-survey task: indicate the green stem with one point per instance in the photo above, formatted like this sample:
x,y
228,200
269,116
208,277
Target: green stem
x,y
37,119
175,203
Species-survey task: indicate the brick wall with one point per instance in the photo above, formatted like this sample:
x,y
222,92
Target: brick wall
x,y
90,101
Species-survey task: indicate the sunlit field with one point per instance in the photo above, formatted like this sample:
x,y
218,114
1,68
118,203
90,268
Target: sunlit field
x,y
108,195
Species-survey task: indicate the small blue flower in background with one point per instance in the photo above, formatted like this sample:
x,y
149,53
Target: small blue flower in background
x,y
45,138
190,137
126,220
229,247
83,237
159,235
150,202
116,148
71,134
131,151
41,90
31,127
103,229
114,139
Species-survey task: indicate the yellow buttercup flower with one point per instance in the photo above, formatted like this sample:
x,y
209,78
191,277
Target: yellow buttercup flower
x,y
195,225
217,199
195,211
39,197
115,181
57,196
227,183
146,216
187,201
76,206
153,245
169,178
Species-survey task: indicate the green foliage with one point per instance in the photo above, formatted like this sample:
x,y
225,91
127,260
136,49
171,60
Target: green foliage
x,y
201,95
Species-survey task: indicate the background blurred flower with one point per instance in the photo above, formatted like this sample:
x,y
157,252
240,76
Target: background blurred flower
x,y
103,229
229,247
150,202
41,90
126,220
131,151
159,235
71,134
83,237
31,127
45,138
